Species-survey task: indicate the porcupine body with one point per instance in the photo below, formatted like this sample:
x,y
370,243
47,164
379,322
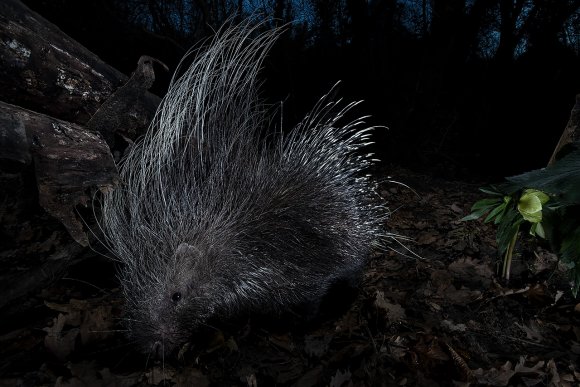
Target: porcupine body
x,y
212,218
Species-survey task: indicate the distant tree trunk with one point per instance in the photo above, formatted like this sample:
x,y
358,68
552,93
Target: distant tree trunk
x,y
326,11
279,7
447,23
424,19
509,13
545,23
571,132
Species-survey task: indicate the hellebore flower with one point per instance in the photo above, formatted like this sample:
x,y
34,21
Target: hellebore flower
x,y
530,206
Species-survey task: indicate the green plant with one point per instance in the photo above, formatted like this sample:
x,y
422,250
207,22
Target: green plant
x,y
545,200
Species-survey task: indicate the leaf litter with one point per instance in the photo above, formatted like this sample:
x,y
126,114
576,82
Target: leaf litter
x,y
431,313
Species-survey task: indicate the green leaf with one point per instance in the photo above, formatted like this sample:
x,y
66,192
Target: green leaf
x,y
475,215
561,179
487,204
499,217
538,230
496,212
508,227
481,207
570,253
491,191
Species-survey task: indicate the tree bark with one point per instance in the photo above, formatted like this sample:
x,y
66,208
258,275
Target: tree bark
x,y
43,69
130,109
571,132
69,161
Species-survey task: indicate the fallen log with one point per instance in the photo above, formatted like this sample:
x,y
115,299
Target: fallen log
x,y
69,161
43,69
60,97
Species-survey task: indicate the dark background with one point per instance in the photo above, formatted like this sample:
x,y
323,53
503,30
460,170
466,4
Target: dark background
x,y
468,88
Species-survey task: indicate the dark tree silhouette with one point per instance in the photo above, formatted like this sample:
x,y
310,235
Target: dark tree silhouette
x,y
460,83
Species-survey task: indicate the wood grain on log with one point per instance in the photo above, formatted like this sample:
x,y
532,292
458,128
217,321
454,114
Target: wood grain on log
x,y
43,69
130,109
69,161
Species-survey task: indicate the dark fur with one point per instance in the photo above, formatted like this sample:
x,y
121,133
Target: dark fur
x,y
211,220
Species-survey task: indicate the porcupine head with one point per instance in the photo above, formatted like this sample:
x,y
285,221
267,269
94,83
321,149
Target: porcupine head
x,y
213,218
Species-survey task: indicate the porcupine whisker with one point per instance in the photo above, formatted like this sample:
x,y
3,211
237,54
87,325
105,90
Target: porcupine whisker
x,y
94,234
213,327
149,355
389,180
413,255
108,330
102,290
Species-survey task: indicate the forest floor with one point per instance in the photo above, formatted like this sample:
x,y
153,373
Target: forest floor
x,y
435,315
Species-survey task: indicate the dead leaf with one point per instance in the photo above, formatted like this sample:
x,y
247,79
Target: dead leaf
x,y
471,270
427,238
316,346
85,319
441,279
87,374
311,378
461,296
544,260
540,294
455,208
504,292
430,348
555,375
495,376
217,341
341,379
395,312
520,368
398,347
532,331
72,310
434,306
452,327
106,378
421,225
96,324
576,330
156,375
251,380
60,343
283,342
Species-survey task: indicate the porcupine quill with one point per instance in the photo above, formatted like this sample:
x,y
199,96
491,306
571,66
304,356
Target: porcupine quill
x,y
213,218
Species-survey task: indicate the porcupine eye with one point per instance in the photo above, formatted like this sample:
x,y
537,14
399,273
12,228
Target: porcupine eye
x,y
176,297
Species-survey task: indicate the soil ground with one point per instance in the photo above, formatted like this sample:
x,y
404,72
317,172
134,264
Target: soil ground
x,y
429,311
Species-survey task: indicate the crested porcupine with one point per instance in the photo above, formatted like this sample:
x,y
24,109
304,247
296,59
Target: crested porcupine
x,y
212,217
